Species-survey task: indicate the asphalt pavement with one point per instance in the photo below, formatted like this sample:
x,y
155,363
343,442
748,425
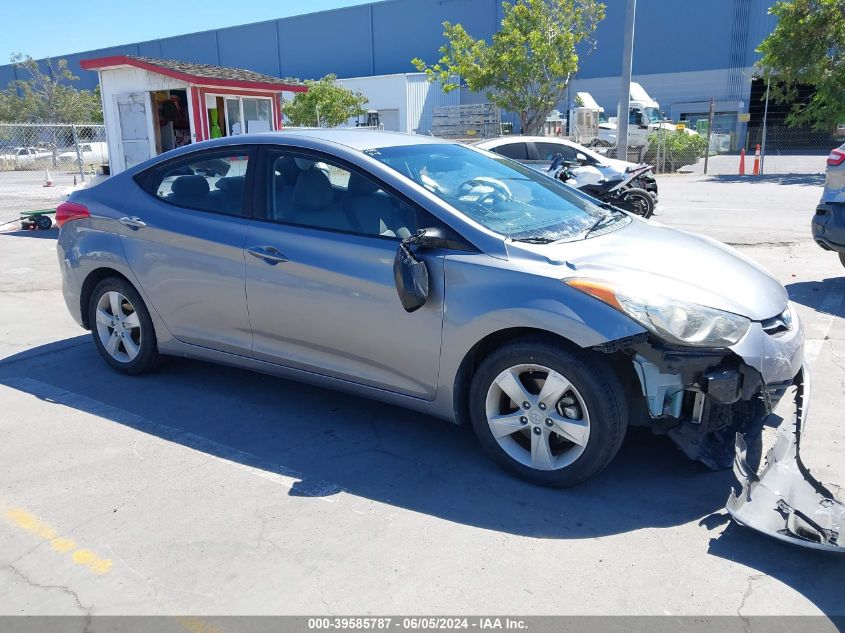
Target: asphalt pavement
x,y
203,490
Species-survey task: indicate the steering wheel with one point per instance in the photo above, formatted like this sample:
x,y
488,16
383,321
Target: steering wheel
x,y
492,190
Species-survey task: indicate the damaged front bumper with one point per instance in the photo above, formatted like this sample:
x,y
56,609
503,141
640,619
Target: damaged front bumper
x,y
784,500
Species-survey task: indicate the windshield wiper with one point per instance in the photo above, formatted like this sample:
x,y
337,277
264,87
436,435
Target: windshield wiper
x,y
603,219
534,240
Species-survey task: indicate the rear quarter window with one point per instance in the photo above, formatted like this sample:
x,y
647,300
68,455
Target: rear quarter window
x,y
517,151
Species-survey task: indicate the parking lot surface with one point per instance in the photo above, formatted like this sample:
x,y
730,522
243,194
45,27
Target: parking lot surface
x,y
202,489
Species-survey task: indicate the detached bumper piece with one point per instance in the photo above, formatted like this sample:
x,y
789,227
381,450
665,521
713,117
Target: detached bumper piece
x,y
784,500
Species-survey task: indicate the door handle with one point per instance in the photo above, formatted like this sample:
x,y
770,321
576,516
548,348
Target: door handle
x,y
133,222
268,253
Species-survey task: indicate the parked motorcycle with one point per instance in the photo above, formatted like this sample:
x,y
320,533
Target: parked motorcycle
x,y
618,191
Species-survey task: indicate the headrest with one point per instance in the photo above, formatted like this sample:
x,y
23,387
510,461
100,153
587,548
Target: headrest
x,y
194,185
233,185
304,163
313,190
289,170
360,186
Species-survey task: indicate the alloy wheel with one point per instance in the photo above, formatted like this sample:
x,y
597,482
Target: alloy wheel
x,y
118,326
538,417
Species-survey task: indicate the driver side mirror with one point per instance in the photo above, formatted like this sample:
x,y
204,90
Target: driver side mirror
x,y
410,273
581,158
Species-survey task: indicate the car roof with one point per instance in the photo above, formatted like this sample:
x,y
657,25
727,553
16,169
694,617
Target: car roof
x,y
518,138
356,138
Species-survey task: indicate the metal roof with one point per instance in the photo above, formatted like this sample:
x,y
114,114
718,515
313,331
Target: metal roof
x,y
192,72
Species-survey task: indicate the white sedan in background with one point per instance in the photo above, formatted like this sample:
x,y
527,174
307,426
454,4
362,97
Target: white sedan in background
x,y
538,151
93,153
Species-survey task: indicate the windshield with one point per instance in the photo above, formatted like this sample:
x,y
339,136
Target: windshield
x,y
652,114
501,195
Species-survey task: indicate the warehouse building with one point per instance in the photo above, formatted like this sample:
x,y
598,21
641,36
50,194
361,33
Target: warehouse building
x,y
685,53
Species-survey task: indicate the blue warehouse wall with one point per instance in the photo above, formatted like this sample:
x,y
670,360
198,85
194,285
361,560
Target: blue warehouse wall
x,y
252,46
381,38
311,46
404,29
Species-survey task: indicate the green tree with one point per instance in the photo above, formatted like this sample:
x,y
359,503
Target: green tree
x,y
679,148
527,65
47,97
806,47
325,104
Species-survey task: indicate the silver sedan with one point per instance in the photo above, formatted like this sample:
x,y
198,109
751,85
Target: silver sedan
x,y
435,276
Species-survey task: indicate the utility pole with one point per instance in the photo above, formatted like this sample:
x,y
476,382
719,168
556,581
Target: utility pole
x,y
709,131
625,86
763,140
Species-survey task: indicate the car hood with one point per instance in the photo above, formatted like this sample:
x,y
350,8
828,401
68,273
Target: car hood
x,y
617,165
674,263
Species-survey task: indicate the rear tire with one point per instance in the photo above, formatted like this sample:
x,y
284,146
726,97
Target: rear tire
x,y
121,327
638,201
570,424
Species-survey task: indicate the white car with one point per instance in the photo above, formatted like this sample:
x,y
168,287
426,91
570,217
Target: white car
x,y
94,153
538,151
23,155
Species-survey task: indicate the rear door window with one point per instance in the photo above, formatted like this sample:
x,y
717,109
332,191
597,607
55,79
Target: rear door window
x,y
207,181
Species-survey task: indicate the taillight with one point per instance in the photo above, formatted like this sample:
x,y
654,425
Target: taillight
x,y
68,211
836,158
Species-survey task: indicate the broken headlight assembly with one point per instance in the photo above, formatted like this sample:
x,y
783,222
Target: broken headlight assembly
x,y
673,320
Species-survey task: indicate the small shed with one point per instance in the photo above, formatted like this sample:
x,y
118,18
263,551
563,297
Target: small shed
x,y
153,105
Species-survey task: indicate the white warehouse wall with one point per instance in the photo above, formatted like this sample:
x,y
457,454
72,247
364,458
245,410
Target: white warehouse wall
x,y
410,94
671,90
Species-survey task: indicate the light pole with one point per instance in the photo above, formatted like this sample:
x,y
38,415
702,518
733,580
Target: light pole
x,y
625,86
765,124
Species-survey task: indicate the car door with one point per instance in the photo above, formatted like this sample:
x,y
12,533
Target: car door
x,y
319,277
183,233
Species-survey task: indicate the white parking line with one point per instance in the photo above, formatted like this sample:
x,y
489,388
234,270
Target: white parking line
x,y
821,328
241,459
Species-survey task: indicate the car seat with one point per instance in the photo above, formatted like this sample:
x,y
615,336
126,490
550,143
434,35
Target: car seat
x,y
370,210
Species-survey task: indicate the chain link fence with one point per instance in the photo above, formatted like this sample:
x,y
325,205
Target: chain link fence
x,y
784,150
41,162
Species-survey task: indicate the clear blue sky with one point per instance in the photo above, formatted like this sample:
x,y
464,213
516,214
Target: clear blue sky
x,y
50,28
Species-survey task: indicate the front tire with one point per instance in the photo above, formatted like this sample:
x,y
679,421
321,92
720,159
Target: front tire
x,y
122,328
549,416
637,201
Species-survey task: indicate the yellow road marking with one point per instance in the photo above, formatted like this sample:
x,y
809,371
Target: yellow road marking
x,y
197,625
29,522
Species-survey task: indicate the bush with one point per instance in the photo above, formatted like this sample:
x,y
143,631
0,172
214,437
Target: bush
x,y
681,148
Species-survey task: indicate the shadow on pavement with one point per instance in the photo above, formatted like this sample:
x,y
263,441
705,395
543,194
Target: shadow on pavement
x,y
333,441
815,294
777,179
818,576
50,234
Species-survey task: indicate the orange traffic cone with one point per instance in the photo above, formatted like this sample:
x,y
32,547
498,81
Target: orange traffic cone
x,y
742,162
757,160
48,182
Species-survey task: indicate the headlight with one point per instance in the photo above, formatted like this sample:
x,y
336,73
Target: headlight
x,y
671,319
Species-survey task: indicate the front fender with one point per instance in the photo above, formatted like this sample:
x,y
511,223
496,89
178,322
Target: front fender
x,y
486,297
